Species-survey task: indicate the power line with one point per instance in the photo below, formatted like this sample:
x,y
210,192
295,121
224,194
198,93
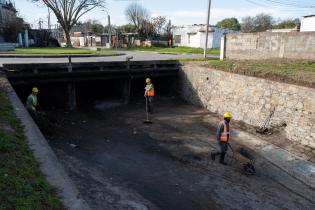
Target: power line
x,y
291,4
284,6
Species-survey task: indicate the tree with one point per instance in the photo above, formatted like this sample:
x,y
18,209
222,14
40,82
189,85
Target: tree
x,y
287,24
263,22
129,28
68,12
93,26
248,24
13,28
230,23
168,28
139,17
259,23
158,23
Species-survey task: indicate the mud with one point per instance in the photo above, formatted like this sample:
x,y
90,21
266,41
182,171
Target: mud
x,y
120,163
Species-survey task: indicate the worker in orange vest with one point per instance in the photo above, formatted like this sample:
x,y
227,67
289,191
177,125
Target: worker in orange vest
x,y
223,137
149,95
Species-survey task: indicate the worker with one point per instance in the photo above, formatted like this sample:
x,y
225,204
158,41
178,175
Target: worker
x,y
32,103
149,95
223,138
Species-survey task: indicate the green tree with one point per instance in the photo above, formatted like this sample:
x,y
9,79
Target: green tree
x,y
128,28
287,24
230,23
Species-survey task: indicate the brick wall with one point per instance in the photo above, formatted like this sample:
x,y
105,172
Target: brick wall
x,y
296,45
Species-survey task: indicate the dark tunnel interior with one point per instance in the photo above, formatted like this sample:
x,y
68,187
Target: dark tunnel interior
x,y
55,95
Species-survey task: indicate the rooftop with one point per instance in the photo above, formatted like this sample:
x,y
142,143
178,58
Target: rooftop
x,y
307,16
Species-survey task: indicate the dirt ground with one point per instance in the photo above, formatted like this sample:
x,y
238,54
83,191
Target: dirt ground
x,y
120,163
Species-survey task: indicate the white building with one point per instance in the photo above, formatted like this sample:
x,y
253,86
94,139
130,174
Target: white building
x,y
308,23
195,36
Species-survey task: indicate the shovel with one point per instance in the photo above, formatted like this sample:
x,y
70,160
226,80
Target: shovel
x,y
147,121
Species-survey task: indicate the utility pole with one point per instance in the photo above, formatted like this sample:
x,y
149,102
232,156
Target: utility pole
x,y
49,24
109,32
207,28
40,22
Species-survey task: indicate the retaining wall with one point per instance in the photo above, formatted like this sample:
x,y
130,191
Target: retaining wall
x,y
250,99
268,45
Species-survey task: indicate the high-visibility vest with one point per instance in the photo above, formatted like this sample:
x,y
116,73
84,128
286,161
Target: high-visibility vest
x,y
31,102
150,90
225,135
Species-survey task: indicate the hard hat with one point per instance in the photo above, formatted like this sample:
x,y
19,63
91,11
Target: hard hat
x,y
227,115
35,90
148,80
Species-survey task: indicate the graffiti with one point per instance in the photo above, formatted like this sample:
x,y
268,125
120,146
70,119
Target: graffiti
x,y
278,43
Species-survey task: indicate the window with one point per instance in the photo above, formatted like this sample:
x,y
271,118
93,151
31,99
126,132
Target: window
x,y
178,39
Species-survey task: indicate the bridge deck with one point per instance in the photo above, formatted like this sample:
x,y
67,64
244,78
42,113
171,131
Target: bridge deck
x,y
63,72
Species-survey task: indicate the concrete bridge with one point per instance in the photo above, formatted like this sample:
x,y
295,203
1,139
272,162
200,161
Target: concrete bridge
x,y
69,75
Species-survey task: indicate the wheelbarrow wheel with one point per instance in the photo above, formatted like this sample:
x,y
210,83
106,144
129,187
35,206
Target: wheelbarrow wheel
x,y
249,169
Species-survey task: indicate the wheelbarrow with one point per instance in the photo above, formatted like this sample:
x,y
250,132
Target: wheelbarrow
x,y
243,157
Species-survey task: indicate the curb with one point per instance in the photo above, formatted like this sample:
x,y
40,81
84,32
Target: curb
x,y
302,170
56,56
44,155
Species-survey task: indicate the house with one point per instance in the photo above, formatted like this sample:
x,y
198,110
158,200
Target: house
x,y
195,36
308,23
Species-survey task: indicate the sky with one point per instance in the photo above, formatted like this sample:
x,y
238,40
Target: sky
x,y
181,12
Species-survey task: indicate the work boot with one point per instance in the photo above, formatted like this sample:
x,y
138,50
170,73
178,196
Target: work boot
x,y
222,159
213,156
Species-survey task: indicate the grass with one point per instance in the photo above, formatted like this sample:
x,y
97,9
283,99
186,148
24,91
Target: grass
x,y
189,50
194,59
22,185
291,71
56,51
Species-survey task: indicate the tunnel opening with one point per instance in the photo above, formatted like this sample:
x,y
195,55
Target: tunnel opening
x,y
97,92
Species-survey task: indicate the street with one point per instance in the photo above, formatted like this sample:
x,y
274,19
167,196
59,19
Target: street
x,y
137,56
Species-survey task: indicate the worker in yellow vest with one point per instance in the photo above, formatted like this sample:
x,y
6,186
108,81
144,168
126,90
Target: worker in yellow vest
x,y
32,103
149,95
223,137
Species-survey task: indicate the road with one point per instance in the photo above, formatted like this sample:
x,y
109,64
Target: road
x,y
136,56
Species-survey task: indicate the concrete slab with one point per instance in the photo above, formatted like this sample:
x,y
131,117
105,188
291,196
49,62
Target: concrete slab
x,y
49,164
297,167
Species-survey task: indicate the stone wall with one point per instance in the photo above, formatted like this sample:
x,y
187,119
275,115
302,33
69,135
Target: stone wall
x,y
250,99
268,45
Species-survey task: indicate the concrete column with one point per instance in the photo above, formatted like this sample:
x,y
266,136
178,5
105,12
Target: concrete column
x,y
20,40
127,91
26,40
223,47
71,90
71,95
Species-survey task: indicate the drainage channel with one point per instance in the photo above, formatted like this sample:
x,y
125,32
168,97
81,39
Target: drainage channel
x,y
117,162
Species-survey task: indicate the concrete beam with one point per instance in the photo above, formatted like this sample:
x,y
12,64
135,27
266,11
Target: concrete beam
x,y
71,95
127,91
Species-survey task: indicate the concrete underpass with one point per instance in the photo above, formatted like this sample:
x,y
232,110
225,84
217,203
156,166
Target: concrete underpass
x,y
117,162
